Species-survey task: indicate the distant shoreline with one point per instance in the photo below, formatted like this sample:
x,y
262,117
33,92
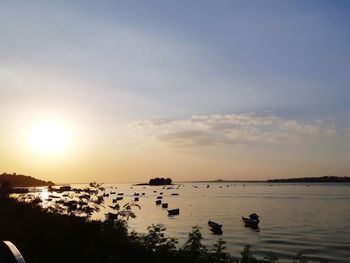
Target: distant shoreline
x,y
323,179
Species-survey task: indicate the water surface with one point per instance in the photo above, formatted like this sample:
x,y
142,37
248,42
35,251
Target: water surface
x,y
313,218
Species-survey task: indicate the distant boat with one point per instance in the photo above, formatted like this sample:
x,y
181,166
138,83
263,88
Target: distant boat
x,y
252,221
215,227
159,197
120,193
174,194
165,205
120,198
158,202
173,212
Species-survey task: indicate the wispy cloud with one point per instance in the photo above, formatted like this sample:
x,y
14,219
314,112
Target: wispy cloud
x,y
232,128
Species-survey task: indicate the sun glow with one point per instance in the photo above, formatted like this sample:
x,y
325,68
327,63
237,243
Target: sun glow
x,y
49,138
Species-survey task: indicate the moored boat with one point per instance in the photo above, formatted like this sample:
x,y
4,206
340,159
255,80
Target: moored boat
x,y
173,212
215,227
252,221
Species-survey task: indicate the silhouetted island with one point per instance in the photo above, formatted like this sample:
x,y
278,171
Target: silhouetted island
x,y
323,179
19,180
158,181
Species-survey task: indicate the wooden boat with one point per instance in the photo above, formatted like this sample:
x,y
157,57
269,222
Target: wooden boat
x,y
173,212
215,227
252,221
158,202
165,205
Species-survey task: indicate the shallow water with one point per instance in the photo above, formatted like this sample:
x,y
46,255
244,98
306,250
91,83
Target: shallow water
x,y
312,218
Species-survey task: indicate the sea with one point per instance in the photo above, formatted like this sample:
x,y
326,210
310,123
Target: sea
x,y
312,219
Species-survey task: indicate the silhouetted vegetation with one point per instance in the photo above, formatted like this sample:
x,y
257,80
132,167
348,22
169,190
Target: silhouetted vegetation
x,y
323,179
160,181
5,188
18,180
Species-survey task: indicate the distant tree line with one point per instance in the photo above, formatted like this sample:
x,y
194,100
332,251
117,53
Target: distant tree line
x,y
160,181
323,179
18,180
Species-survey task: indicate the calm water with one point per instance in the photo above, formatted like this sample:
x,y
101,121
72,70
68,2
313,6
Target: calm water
x,y
314,219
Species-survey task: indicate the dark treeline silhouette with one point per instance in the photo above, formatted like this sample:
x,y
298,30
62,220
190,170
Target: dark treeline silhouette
x,y
323,179
18,180
160,181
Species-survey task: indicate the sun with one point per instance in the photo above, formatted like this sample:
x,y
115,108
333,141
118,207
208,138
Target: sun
x,y
49,138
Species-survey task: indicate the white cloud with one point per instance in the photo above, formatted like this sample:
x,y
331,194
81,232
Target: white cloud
x,y
229,128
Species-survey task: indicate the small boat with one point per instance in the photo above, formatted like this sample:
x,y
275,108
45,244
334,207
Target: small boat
x,y
120,193
215,227
173,212
165,205
158,202
136,199
174,194
112,193
159,197
120,198
252,221
161,193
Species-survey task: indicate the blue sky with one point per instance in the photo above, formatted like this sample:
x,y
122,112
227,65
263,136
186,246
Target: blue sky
x,y
115,64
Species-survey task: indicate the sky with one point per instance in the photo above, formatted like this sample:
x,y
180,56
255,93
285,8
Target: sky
x,y
192,90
